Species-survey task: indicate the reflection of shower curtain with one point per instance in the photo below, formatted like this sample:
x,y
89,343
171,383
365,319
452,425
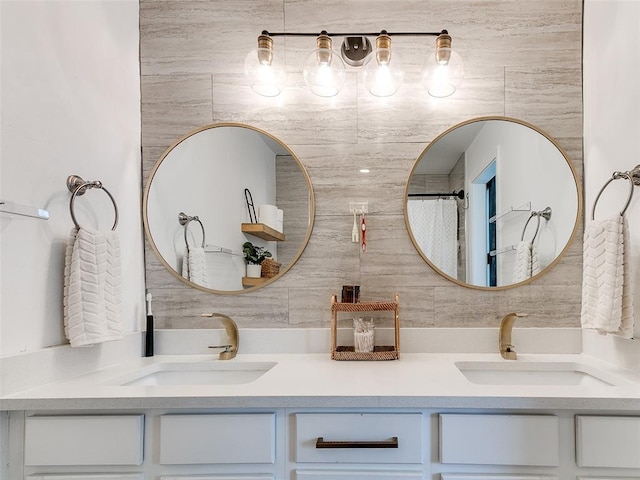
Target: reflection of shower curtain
x,y
434,224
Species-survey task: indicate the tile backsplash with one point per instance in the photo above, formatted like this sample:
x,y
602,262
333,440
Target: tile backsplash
x,y
522,59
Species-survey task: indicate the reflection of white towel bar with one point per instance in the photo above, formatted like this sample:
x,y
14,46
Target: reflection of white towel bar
x,y
7,206
526,207
217,249
510,248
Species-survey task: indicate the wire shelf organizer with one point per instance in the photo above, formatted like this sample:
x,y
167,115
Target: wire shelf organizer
x,y
380,352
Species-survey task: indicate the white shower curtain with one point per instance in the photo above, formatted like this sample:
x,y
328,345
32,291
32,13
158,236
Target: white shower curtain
x,y
434,224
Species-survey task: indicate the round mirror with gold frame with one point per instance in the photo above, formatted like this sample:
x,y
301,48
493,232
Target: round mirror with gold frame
x,y
492,203
217,188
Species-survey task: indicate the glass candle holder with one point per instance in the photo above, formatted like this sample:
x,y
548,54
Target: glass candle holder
x,y
363,334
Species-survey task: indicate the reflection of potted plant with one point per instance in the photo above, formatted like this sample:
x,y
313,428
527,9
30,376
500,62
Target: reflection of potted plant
x,y
254,256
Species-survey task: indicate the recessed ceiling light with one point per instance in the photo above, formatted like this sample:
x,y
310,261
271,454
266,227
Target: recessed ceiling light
x,y
364,170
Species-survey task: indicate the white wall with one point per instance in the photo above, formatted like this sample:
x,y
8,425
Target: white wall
x,y
612,113
70,105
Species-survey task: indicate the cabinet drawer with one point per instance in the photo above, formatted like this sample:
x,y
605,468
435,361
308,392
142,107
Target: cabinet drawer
x,y
608,441
356,475
488,476
499,439
83,440
346,433
223,438
88,476
251,476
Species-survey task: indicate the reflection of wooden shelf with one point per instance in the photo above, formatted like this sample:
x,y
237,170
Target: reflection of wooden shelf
x,y
263,231
252,282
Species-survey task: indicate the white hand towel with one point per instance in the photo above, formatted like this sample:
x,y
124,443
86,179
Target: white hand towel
x,y
194,266
522,268
92,288
607,298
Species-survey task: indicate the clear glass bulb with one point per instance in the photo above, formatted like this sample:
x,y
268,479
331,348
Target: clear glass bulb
x,y
381,74
324,72
443,72
264,72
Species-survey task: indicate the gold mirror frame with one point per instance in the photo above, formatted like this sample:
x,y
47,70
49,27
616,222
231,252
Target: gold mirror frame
x,y
579,209
145,209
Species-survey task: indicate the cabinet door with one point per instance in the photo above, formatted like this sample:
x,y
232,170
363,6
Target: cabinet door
x,y
356,475
83,440
217,438
499,439
608,441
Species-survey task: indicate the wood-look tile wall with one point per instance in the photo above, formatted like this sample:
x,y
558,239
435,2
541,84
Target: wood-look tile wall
x,y
522,59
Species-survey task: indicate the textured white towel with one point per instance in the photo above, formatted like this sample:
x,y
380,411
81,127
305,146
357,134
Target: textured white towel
x,y
194,266
526,264
607,298
92,288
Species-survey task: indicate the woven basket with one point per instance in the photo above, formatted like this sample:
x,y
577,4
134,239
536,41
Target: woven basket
x,y
270,268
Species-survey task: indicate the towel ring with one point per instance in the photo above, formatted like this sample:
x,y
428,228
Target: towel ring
x,y
634,179
184,220
78,186
546,214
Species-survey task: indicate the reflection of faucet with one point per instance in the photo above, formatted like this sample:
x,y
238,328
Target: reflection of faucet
x,y
507,350
231,347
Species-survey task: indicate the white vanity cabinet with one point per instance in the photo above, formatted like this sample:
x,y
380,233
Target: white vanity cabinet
x,y
324,444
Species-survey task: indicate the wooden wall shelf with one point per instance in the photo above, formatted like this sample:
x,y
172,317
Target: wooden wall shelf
x,y
263,231
253,281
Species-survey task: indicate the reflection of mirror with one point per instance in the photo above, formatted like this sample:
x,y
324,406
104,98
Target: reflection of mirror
x,y
477,198
204,175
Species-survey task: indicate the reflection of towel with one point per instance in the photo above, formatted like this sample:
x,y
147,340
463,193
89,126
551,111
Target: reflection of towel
x,y
526,263
607,301
92,288
194,266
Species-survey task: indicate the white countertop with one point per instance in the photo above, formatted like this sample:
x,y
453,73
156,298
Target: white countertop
x,y
416,380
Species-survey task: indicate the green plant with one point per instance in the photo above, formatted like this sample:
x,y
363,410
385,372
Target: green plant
x,y
253,254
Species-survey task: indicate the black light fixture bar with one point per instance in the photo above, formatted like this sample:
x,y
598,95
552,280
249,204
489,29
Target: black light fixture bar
x,y
331,34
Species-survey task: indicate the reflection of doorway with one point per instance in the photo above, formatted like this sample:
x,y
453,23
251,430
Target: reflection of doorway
x,y
482,232
492,260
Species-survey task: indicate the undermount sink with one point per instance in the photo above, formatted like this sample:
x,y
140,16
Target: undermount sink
x,y
197,373
534,373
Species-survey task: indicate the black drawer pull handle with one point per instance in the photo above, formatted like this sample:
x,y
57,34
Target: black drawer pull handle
x,y
391,443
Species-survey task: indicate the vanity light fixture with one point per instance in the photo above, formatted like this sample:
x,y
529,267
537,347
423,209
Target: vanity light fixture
x,y
443,71
266,73
382,76
324,70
